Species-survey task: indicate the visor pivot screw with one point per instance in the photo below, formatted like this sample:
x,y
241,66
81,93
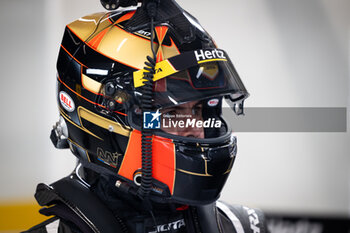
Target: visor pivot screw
x,y
110,89
111,105
111,128
118,183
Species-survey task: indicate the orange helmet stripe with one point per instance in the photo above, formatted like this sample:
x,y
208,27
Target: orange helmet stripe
x,y
126,17
95,42
163,159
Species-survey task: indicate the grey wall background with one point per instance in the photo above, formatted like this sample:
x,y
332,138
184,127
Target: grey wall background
x,y
288,53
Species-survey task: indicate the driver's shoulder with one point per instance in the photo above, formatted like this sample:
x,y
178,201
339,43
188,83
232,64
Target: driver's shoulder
x,y
243,219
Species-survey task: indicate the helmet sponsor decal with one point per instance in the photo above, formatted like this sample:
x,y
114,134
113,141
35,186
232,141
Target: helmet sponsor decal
x,y
66,101
209,54
143,33
213,102
182,62
108,157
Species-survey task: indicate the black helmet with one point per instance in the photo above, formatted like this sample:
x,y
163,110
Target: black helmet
x,y
103,98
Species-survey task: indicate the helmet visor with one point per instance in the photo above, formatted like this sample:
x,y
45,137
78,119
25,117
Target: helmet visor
x,y
210,79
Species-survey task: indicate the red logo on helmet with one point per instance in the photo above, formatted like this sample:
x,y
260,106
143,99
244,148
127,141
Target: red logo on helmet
x,y
213,102
66,101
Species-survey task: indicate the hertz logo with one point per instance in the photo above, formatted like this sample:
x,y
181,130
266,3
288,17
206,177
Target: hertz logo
x,y
209,54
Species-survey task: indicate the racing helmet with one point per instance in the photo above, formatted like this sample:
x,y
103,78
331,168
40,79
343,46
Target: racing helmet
x,y
101,93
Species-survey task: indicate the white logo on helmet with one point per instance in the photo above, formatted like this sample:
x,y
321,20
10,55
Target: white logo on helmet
x,y
66,101
209,54
213,102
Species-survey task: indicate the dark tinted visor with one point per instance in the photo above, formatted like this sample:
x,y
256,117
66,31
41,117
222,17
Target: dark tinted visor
x,y
205,80
194,75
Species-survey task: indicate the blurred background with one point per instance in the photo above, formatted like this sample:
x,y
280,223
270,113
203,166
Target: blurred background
x,y
288,53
